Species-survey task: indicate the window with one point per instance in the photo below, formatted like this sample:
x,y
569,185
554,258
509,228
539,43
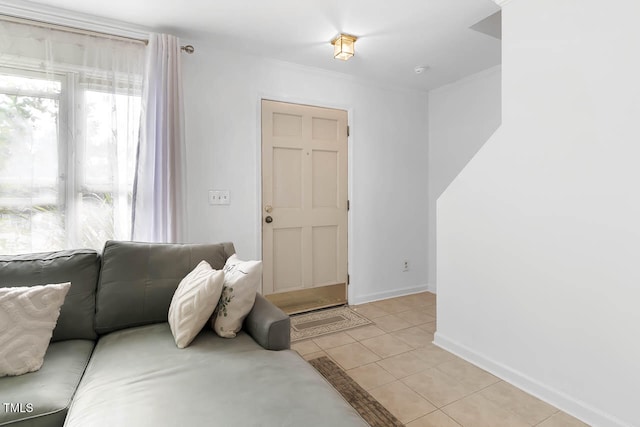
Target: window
x,y
48,200
106,184
31,215
68,139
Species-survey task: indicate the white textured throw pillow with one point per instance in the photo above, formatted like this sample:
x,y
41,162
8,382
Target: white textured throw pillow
x,y
28,315
193,302
241,281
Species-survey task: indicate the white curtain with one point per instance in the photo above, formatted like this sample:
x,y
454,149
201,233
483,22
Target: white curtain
x,y
69,122
158,207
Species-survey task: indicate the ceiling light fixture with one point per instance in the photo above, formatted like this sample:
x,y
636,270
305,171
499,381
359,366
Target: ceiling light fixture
x,y
344,46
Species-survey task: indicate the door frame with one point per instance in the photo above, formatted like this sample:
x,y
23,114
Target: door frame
x,y
350,141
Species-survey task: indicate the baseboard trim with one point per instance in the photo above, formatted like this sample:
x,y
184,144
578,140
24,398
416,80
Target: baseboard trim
x,y
362,299
566,403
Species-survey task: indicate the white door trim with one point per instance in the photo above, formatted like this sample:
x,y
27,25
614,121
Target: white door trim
x,y
350,142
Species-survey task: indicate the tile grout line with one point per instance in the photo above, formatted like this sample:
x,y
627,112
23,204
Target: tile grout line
x,y
552,415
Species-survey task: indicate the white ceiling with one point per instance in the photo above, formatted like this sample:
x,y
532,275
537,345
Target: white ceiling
x,y
395,36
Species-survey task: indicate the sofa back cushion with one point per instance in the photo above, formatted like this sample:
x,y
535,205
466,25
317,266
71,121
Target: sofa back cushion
x,y
138,280
80,267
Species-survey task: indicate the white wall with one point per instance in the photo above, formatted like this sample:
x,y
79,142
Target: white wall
x,y
462,117
388,157
539,236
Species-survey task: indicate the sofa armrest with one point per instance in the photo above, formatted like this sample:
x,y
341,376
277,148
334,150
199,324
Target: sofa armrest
x,y
268,325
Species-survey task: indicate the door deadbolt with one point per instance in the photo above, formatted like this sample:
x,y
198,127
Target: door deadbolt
x,y
268,209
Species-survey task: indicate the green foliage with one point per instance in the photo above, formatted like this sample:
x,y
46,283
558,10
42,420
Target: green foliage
x,y
225,299
16,114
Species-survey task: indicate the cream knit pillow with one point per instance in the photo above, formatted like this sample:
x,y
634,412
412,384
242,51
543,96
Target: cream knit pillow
x,y
193,302
241,281
28,315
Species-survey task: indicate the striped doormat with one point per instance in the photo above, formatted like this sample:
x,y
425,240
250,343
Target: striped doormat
x,y
323,322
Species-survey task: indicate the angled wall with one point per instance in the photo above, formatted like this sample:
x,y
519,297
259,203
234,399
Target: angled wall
x,y
462,117
539,236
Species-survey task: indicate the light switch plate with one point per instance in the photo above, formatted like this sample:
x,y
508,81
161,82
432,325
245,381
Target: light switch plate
x,y
219,197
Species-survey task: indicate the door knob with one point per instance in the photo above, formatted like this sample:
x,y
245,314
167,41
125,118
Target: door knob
x,y
268,220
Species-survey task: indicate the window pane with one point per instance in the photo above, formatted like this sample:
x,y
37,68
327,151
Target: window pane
x,y
32,215
111,123
96,219
31,229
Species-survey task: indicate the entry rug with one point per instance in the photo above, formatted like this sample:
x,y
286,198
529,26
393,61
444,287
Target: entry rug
x,y
323,322
369,408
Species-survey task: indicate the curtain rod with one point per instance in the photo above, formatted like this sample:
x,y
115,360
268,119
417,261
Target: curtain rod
x,y
188,48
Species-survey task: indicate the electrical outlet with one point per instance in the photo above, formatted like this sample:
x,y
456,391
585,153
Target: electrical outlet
x,y
405,266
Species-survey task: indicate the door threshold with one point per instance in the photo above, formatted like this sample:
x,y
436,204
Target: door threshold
x,y
304,300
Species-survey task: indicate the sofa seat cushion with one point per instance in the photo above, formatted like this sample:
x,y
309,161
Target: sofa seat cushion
x,y
138,377
42,398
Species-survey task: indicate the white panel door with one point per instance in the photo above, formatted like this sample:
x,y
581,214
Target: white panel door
x,y
304,197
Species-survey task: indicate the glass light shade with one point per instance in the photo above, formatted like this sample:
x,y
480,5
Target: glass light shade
x,y
344,47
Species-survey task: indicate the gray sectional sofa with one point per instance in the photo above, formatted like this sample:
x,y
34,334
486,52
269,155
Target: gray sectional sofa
x,y
112,360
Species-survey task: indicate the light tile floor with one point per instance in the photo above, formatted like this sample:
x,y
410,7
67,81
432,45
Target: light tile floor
x,y
421,384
